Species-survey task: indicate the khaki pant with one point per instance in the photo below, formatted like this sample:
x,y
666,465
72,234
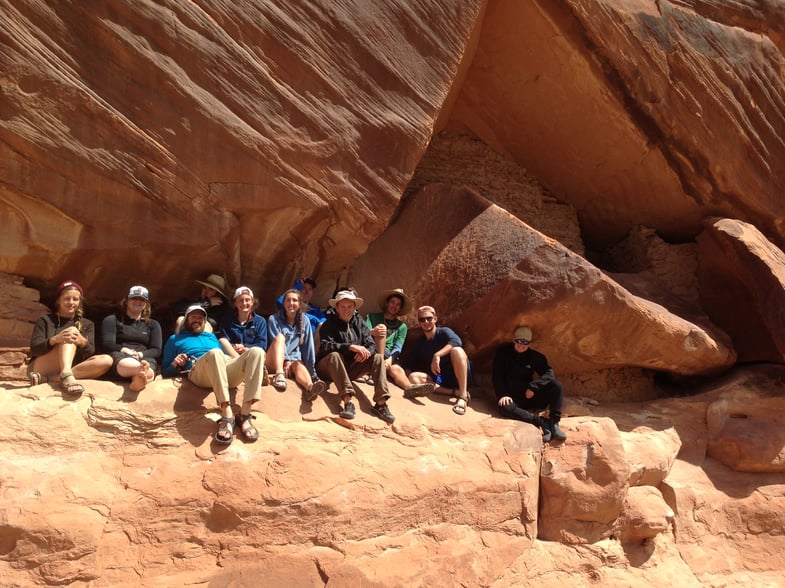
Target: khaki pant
x,y
220,372
332,367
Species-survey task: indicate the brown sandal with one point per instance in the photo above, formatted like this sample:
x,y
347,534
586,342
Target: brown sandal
x,y
225,432
71,387
248,432
37,378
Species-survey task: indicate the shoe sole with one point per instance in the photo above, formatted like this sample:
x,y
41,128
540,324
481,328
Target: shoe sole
x,y
385,419
316,389
419,391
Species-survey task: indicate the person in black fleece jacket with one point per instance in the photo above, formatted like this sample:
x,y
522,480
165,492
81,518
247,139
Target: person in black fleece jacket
x,y
521,396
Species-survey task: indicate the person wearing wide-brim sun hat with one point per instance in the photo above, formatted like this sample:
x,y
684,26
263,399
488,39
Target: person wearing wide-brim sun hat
x,y
395,303
214,300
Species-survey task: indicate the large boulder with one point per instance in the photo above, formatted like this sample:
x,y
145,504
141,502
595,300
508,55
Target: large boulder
x,y
742,287
636,112
485,271
584,483
651,454
747,431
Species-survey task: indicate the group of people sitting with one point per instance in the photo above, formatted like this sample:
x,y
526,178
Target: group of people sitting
x,y
220,343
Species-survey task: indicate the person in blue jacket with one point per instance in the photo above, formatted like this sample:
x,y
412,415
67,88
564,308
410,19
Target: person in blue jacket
x,y
197,355
243,328
291,353
306,286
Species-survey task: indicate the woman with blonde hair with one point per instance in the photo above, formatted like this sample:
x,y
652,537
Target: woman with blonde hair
x,y
63,344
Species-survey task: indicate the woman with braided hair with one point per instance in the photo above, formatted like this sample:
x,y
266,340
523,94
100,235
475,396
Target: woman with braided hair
x,y
291,351
63,344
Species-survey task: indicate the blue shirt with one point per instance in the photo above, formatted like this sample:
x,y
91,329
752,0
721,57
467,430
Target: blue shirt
x,y
251,334
192,344
423,350
314,313
298,338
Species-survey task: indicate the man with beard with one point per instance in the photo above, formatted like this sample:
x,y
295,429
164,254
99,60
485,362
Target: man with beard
x,y
198,355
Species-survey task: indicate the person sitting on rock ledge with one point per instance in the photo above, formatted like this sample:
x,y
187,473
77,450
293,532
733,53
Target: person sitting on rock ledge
x,y
243,328
63,344
198,355
133,339
387,326
292,353
522,397
439,358
213,298
347,351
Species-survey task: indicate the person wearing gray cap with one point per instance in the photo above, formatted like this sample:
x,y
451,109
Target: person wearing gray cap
x,y
521,396
197,355
133,339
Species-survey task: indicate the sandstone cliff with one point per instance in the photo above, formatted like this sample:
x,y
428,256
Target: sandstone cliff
x,y
609,172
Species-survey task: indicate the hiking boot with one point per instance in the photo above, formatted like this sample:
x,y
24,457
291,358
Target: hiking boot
x,y
556,432
383,412
545,425
418,390
348,410
315,389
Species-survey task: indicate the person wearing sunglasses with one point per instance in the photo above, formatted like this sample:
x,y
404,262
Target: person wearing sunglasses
x,y
439,357
521,396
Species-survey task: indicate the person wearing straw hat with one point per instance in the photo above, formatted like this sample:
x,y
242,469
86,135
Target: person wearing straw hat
x,y
521,396
214,300
347,350
388,326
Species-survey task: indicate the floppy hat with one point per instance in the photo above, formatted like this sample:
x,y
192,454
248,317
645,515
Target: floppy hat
x,y
194,308
406,306
138,292
215,282
522,333
346,295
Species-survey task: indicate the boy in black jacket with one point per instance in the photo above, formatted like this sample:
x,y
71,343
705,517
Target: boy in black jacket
x,y
520,395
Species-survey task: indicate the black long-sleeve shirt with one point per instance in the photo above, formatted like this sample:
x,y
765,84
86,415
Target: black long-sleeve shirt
x,y
513,372
50,325
139,335
337,335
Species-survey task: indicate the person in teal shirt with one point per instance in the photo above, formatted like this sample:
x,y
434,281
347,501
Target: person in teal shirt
x,y
394,304
197,355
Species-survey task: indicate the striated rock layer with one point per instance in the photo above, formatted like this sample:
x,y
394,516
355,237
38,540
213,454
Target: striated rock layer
x,y
259,140
647,112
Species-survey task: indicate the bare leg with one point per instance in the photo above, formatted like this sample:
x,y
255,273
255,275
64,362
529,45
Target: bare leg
x,y
397,376
460,365
93,367
300,375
